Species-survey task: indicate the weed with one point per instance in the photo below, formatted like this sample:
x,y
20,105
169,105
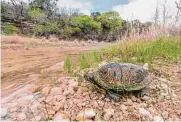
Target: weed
x,y
96,56
83,62
68,65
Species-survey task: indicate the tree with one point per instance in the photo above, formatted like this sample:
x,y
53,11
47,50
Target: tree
x,y
36,14
111,24
95,15
156,16
110,20
178,15
49,7
87,25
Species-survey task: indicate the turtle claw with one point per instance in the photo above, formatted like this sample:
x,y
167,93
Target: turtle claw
x,y
142,93
114,96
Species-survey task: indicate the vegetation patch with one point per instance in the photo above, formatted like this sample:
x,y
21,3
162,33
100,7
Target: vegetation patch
x,y
138,52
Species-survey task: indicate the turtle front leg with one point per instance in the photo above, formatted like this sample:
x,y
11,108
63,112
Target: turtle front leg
x,y
142,93
114,96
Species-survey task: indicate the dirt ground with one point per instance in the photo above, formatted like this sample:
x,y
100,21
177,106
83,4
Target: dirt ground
x,y
25,59
36,87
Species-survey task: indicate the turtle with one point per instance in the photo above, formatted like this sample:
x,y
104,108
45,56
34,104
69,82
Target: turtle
x,y
119,79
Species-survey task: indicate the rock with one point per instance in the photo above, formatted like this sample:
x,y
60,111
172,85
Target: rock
x,y
130,109
129,102
41,99
11,105
145,98
68,91
164,86
25,100
58,105
108,113
60,64
123,107
4,112
51,112
49,99
74,85
165,115
61,117
88,114
46,91
133,98
21,116
158,119
56,91
144,113
143,105
38,118
13,109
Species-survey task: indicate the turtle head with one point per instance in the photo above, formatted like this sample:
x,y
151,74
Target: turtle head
x,y
89,76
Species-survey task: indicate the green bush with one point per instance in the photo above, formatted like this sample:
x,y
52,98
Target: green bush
x,y
10,29
49,27
87,23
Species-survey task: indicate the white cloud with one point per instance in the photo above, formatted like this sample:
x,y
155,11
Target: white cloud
x,y
144,10
84,6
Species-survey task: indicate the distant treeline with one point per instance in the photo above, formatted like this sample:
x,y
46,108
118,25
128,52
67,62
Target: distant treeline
x,y
44,18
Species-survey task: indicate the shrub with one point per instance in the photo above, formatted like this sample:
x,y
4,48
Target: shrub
x,y
10,29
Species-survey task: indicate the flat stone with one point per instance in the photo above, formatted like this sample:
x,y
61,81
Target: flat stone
x,y
88,114
145,98
10,105
165,115
60,63
21,116
49,99
13,109
45,91
108,113
61,117
144,113
41,99
4,112
68,91
158,119
123,107
74,85
56,91
38,118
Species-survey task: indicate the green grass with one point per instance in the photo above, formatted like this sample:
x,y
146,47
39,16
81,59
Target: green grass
x,y
138,52
68,65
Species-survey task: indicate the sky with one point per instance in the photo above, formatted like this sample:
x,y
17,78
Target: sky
x,y
143,10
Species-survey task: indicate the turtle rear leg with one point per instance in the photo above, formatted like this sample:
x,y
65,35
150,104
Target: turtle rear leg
x,y
114,96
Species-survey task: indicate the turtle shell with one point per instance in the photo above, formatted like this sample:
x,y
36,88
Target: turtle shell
x,y
121,77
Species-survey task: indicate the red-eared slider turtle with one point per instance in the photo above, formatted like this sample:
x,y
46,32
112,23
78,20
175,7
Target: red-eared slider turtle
x,y
120,78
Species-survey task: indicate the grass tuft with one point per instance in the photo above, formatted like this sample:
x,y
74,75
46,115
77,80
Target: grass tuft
x,y
68,65
83,62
